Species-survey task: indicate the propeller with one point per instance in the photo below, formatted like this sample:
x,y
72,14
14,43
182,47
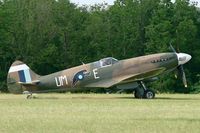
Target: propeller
x,y
182,59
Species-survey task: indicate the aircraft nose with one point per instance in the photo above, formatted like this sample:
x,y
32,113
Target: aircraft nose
x,y
183,58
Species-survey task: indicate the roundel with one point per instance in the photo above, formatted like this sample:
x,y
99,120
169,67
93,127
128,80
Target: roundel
x,y
80,77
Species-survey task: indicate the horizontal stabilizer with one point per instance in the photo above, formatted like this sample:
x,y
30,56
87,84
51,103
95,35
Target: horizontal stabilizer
x,y
34,82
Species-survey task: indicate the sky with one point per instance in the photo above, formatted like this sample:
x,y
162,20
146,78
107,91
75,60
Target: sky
x,y
110,2
92,2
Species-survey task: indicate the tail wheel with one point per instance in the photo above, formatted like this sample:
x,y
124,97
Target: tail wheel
x,y
149,94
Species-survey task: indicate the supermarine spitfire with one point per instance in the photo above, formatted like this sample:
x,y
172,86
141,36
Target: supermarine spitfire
x,y
124,74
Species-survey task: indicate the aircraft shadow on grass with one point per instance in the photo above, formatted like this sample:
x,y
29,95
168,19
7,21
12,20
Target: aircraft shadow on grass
x,y
115,97
175,98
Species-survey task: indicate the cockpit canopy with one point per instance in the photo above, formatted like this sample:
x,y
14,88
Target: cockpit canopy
x,y
108,61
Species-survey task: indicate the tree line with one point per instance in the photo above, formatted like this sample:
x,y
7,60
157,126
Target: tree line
x,y
51,35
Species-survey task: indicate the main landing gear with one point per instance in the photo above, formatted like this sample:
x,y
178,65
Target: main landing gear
x,y
143,92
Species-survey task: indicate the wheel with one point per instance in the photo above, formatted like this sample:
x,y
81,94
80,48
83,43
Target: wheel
x,y
29,96
139,93
149,94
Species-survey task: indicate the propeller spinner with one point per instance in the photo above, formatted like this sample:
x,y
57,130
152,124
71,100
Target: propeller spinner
x,y
183,58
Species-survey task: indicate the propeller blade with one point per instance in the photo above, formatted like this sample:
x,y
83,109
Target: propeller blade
x,y
176,76
182,74
172,48
177,49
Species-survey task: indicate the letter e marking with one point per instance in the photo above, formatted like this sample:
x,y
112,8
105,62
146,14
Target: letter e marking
x,y
95,73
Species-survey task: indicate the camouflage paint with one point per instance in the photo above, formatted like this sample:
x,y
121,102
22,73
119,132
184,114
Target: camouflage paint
x,y
92,74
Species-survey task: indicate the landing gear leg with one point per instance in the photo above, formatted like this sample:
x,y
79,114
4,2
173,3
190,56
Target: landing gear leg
x,y
144,92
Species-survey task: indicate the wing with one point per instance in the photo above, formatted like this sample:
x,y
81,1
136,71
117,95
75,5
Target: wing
x,y
106,83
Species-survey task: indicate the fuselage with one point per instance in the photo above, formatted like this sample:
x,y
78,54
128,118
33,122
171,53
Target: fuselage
x,y
135,69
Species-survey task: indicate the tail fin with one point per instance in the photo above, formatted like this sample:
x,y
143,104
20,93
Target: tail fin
x,y
18,75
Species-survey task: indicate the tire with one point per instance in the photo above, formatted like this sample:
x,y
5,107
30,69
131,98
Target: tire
x,y
139,93
29,96
149,94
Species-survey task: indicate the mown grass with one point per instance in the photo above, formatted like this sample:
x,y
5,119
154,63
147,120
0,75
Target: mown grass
x,y
99,113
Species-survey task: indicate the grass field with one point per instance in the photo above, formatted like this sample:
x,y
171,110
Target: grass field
x,y
99,113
